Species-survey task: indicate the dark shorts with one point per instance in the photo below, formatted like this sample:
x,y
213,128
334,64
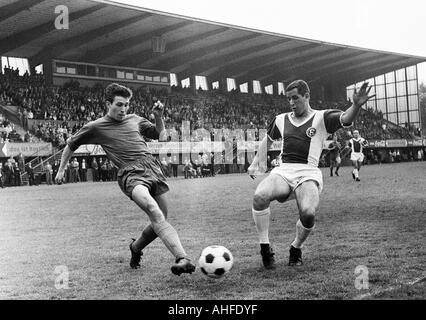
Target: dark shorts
x,y
146,172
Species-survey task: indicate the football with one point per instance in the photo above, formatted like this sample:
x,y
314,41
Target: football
x,y
215,261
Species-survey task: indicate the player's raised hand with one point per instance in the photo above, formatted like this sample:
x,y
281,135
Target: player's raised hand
x,y
158,109
360,97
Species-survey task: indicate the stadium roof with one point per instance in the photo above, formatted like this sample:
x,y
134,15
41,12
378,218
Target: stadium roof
x,y
106,32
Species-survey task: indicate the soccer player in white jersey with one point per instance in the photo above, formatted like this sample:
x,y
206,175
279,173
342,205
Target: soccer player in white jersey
x,y
357,144
302,131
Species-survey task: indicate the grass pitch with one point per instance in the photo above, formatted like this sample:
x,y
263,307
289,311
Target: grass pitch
x,y
85,229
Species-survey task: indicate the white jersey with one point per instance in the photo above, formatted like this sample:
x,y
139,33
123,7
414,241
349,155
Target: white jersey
x,y
303,143
357,145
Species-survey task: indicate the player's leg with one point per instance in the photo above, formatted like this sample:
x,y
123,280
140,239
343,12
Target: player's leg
x,y
148,234
162,228
338,162
359,162
307,199
331,167
355,170
273,187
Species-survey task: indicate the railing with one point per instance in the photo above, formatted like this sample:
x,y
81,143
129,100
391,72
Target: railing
x,y
38,163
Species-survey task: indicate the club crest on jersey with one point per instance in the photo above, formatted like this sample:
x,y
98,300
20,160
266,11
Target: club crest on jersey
x,y
311,132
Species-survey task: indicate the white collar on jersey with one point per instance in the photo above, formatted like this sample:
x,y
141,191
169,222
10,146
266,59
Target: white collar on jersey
x,y
291,115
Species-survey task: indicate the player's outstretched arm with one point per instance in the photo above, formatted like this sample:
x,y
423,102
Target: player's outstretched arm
x,y
65,158
359,98
259,163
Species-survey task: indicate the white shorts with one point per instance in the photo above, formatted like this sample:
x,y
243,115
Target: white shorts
x,y
336,160
357,156
297,173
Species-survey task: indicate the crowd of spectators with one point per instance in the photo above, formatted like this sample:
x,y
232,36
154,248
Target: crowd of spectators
x,y
8,132
60,111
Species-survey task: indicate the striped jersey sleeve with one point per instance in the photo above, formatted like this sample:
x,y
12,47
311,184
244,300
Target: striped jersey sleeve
x,y
275,128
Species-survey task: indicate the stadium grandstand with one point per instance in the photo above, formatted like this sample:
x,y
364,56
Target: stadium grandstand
x,y
58,56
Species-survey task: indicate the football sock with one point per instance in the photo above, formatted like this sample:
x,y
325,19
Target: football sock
x,y
148,235
261,220
170,238
356,173
301,234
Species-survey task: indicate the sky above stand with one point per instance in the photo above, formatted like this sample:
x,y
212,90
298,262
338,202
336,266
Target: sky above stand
x,y
395,26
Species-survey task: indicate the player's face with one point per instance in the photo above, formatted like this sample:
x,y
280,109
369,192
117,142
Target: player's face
x,y
356,134
298,103
118,108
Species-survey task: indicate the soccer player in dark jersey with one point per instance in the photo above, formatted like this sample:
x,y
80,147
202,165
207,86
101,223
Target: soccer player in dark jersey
x,y
335,159
357,145
121,135
302,131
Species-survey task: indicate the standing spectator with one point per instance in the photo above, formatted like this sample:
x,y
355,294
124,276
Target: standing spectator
x,y
104,170
212,164
55,168
175,165
109,170
30,172
170,165
186,168
83,171
49,173
420,155
17,175
9,174
75,165
95,170
21,162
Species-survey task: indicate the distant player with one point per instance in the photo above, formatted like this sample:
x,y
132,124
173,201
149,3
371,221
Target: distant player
x,y
140,176
302,132
335,159
357,144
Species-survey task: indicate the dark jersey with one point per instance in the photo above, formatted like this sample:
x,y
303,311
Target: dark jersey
x,y
334,148
122,141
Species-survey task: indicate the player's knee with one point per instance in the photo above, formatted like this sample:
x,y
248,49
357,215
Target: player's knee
x,y
307,217
260,200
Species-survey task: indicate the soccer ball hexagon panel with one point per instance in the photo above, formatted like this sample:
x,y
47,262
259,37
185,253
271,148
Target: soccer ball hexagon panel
x,y
215,261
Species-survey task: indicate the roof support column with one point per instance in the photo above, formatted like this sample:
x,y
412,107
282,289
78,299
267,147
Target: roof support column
x,y
250,86
223,85
275,88
193,83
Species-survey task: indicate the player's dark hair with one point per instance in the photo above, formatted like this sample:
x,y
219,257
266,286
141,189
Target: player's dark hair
x,y
301,86
115,89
